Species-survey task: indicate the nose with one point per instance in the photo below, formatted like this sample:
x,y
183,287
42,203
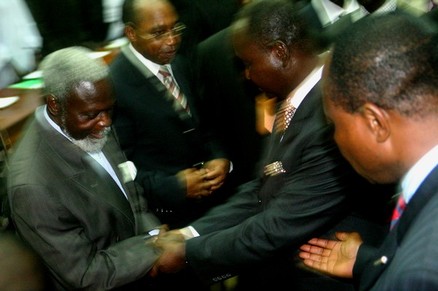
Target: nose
x,y
105,119
172,39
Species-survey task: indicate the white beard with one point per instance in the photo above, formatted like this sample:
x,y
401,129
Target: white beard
x,y
91,145
88,144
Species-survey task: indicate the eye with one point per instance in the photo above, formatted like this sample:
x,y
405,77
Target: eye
x,y
158,34
90,116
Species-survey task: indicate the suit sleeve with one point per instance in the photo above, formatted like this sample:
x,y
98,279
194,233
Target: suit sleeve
x,y
63,242
306,202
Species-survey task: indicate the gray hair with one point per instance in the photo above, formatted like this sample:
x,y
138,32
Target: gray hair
x,y
65,68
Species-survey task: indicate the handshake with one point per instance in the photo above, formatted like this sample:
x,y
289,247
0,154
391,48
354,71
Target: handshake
x,y
172,246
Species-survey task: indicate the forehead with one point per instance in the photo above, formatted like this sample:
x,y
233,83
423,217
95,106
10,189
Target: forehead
x,y
155,13
92,95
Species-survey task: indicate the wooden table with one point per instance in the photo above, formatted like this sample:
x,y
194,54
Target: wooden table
x,y
13,117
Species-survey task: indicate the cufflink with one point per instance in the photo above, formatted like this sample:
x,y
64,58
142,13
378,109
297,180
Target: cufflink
x,y
274,169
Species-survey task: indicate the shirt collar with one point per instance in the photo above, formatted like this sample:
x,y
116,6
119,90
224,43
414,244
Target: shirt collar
x,y
153,67
416,175
53,124
299,93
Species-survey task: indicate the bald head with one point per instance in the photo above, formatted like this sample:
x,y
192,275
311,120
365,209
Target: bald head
x,y
131,8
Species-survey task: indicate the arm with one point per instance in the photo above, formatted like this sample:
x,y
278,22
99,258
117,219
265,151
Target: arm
x,y
333,257
281,213
105,254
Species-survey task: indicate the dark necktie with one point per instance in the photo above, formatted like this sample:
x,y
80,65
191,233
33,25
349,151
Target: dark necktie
x,y
173,88
398,210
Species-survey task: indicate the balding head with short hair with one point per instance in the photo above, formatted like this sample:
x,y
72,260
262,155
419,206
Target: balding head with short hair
x,y
66,68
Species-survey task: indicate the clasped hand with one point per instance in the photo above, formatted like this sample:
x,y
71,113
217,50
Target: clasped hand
x,y
203,182
172,258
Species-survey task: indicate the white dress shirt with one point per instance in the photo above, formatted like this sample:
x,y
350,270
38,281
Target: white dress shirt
x,y
416,175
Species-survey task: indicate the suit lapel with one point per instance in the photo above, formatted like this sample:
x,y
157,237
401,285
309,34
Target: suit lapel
x,y
304,112
102,186
115,157
156,83
84,170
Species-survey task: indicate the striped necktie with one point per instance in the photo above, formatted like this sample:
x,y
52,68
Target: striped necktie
x,y
173,88
398,210
283,118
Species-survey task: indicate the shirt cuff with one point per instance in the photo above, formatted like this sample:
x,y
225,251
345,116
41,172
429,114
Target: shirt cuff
x,y
189,232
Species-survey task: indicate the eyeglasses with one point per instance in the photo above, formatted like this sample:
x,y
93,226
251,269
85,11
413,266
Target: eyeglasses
x,y
177,30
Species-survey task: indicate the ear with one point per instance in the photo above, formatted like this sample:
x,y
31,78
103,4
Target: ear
x,y
377,120
53,105
130,33
281,51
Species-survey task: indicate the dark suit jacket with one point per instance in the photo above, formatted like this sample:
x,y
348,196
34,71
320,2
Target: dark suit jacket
x,y
260,228
203,18
158,139
410,247
73,214
228,102
68,23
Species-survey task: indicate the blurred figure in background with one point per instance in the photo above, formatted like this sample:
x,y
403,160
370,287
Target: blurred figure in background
x,y
21,269
203,18
20,41
69,23
331,17
230,103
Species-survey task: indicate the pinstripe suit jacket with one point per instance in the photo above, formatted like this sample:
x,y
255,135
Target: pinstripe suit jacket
x,y
410,247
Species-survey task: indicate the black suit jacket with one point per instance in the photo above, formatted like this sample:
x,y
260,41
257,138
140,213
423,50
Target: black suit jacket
x,y
68,23
74,215
158,139
410,248
257,232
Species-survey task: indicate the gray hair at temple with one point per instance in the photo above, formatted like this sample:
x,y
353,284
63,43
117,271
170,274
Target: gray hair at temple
x,y
65,68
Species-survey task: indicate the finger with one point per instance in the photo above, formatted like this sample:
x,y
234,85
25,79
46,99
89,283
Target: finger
x,y
324,243
313,249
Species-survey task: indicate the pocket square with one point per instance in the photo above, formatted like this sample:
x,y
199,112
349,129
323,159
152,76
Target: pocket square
x,y
128,170
274,169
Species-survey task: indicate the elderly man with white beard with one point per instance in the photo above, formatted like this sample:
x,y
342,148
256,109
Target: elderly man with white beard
x,y
71,190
